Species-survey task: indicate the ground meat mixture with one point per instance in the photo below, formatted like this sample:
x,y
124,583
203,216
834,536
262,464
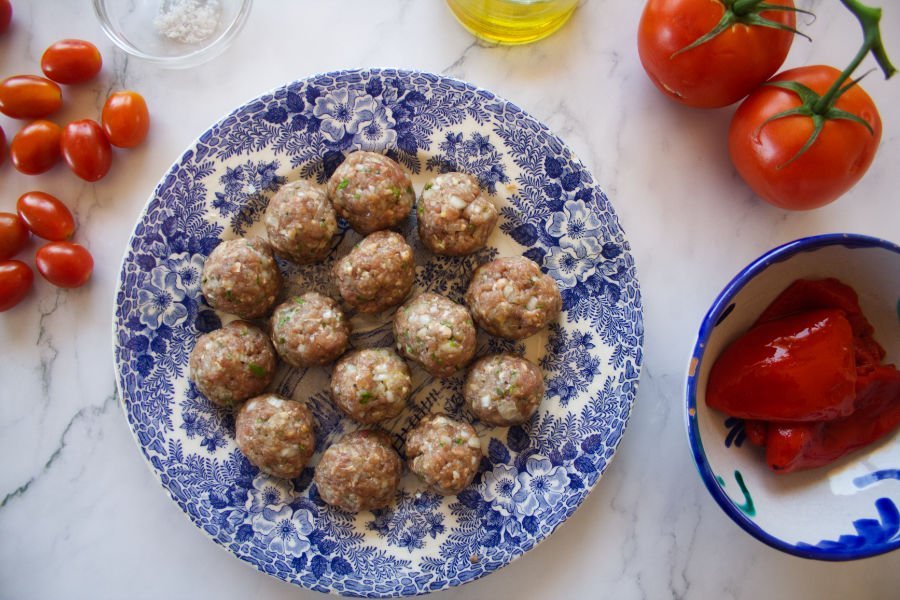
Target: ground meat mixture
x,y
310,330
359,472
435,332
301,222
455,216
511,298
276,434
504,389
241,277
378,273
371,385
233,363
443,452
371,191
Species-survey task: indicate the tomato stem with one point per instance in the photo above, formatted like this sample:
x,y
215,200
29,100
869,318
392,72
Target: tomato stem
x,y
869,18
742,7
745,12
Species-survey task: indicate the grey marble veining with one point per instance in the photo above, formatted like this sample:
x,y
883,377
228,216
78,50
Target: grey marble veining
x,y
82,517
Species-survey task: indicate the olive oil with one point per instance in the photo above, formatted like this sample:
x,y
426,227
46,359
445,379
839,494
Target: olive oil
x,y
512,21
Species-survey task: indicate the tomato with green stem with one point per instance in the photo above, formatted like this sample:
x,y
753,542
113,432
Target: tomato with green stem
x,y
807,136
712,53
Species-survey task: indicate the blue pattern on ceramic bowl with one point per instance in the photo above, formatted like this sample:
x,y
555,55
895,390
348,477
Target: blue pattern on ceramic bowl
x,y
843,511
532,477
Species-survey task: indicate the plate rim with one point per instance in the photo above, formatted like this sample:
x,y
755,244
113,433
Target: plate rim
x,y
445,583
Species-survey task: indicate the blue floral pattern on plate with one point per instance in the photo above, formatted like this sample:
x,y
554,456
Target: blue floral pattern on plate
x,y
532,477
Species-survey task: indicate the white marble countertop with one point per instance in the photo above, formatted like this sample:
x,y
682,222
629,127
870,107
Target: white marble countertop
x,y
82,517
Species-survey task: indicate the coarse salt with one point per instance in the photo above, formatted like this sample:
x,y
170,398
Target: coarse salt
x,y
187,21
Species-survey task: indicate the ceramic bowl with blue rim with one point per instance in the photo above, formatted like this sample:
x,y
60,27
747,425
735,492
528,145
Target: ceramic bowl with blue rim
x,y
532,477
845,510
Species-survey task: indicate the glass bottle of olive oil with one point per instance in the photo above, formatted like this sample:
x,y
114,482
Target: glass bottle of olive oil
x,y
512,21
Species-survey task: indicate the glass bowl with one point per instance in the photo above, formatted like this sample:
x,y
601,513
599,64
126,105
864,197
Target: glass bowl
x,y
842,511
173,33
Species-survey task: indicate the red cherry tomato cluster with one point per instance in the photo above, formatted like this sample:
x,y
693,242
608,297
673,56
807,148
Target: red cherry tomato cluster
x,y
85,145
61,262
711,54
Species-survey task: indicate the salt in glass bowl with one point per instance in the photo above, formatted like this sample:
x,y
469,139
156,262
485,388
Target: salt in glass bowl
x,y
842,511
133,27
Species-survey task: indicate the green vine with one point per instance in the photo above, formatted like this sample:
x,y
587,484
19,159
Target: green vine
x,y
821,108
746,12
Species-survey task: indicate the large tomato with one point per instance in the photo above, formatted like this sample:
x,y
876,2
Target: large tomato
x,y
721,70
764,154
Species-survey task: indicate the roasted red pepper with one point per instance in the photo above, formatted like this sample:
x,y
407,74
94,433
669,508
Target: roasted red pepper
x,y
788,378
796,368
795,446
813,294
756,431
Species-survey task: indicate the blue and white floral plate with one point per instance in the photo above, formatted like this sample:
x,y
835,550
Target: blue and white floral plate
x,y
531,478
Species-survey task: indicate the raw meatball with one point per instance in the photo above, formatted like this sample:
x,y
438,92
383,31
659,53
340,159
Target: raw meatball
x,y
276,434
377,274
435,332
241,277
443,452
360,472
301,222
233,363
455,216
310,330
371,385
504,389
371,191
511,298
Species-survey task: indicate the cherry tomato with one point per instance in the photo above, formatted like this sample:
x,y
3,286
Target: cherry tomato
x,y
2,146
719,71
125,119
71,61
35,148
15,280
13,235
29,97
46,216
64,264
831,166
86,149
5,15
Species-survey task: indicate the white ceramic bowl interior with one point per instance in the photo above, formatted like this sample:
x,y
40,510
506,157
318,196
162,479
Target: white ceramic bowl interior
x,y
843,511
131,26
